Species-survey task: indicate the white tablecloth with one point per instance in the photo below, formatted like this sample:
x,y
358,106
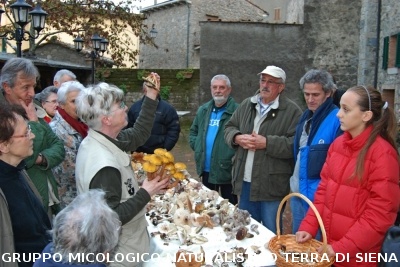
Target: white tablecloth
x,y
163,252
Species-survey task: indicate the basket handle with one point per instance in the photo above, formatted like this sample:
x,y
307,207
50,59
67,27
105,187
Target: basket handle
x,y
321,225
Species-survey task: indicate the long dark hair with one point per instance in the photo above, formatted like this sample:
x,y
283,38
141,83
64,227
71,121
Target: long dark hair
x,y
383,121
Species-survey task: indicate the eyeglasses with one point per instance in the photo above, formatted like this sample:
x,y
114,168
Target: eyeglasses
x,y
26,135
52,101
269,82
121,106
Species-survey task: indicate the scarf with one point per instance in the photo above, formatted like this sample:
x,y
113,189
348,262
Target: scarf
x,y
79,126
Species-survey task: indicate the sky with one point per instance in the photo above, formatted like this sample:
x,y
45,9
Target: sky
x,y
146,3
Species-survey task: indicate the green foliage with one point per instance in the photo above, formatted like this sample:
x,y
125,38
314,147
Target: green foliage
x,y
112,20
184,74
165,91
102,73
124,88
142,73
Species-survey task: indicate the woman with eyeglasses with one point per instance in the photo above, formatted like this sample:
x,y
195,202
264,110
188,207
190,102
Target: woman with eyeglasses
x,y
23,221
103,160
47,103
71,130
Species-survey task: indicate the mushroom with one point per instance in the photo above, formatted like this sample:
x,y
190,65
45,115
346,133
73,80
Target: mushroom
x,y
152,81
179,175
241,233
150,169
160,151
169,156
180,166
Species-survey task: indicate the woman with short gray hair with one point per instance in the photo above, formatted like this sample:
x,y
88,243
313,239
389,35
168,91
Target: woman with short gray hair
x,y
103,160
47,100
86,232
67,126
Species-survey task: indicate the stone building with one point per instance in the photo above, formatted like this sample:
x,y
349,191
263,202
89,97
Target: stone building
x,y
233,37
357,43
388,63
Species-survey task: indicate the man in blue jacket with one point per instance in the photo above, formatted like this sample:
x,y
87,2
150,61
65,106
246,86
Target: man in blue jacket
x,y
317,129
213,156
166,127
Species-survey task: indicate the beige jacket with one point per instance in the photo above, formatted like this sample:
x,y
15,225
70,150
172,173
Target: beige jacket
x,y
95,153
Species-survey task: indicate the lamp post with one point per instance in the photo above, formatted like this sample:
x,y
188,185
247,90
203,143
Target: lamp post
x,y
99,46
21,17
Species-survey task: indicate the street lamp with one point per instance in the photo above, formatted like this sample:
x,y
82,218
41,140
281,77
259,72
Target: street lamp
x,y
153,32
21,17
99,46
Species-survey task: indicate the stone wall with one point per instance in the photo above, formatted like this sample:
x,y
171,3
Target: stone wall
x,y
332,33
389,80
242,50
183,95
178,39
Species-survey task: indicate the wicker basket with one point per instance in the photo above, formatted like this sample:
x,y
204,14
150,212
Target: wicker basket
x,y
289,241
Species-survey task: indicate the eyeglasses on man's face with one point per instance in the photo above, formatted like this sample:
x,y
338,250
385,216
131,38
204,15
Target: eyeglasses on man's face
x,y
26,135
120,106
269,82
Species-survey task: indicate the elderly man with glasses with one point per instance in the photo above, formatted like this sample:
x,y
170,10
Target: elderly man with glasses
x,y
18,81
262,131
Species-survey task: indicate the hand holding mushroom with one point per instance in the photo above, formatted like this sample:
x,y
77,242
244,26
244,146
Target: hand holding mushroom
x,y
161,164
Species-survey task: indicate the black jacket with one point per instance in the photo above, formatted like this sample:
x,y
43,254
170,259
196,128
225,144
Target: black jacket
x,y
29,220
166,127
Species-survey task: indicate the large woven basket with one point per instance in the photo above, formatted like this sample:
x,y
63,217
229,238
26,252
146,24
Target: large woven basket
x,y
289,242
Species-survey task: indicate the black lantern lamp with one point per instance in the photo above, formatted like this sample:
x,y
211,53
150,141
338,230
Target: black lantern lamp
x,y
103,45
38,17
20,11
78,42
153,32
96,39
99,46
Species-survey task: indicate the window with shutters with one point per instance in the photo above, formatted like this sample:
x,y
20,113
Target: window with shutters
x,y
391,52
397,58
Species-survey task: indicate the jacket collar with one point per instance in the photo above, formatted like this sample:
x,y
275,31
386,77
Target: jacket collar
x,y
359,141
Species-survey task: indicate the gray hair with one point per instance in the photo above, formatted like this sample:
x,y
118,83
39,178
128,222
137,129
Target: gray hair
x,y
45,93
96,101
87,225
322,77
222,77
68,87
59,74
13,66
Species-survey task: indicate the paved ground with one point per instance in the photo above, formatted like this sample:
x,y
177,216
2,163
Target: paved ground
x,y
183,153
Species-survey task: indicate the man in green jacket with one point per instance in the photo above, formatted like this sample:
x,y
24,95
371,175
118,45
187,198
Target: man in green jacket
x,y
262,132
18,81
213,156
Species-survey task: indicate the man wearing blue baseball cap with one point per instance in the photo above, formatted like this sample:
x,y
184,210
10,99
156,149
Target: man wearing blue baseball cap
x,y
262,132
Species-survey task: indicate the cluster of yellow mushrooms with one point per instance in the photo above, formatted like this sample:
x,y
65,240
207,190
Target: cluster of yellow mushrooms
x,y
161,164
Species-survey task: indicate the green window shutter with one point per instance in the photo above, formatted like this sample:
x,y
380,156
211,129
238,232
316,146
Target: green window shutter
x,y
385,56
397,62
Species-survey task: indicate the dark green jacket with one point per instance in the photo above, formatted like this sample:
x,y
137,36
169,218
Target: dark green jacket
x,y
221,158
52,148
272,166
